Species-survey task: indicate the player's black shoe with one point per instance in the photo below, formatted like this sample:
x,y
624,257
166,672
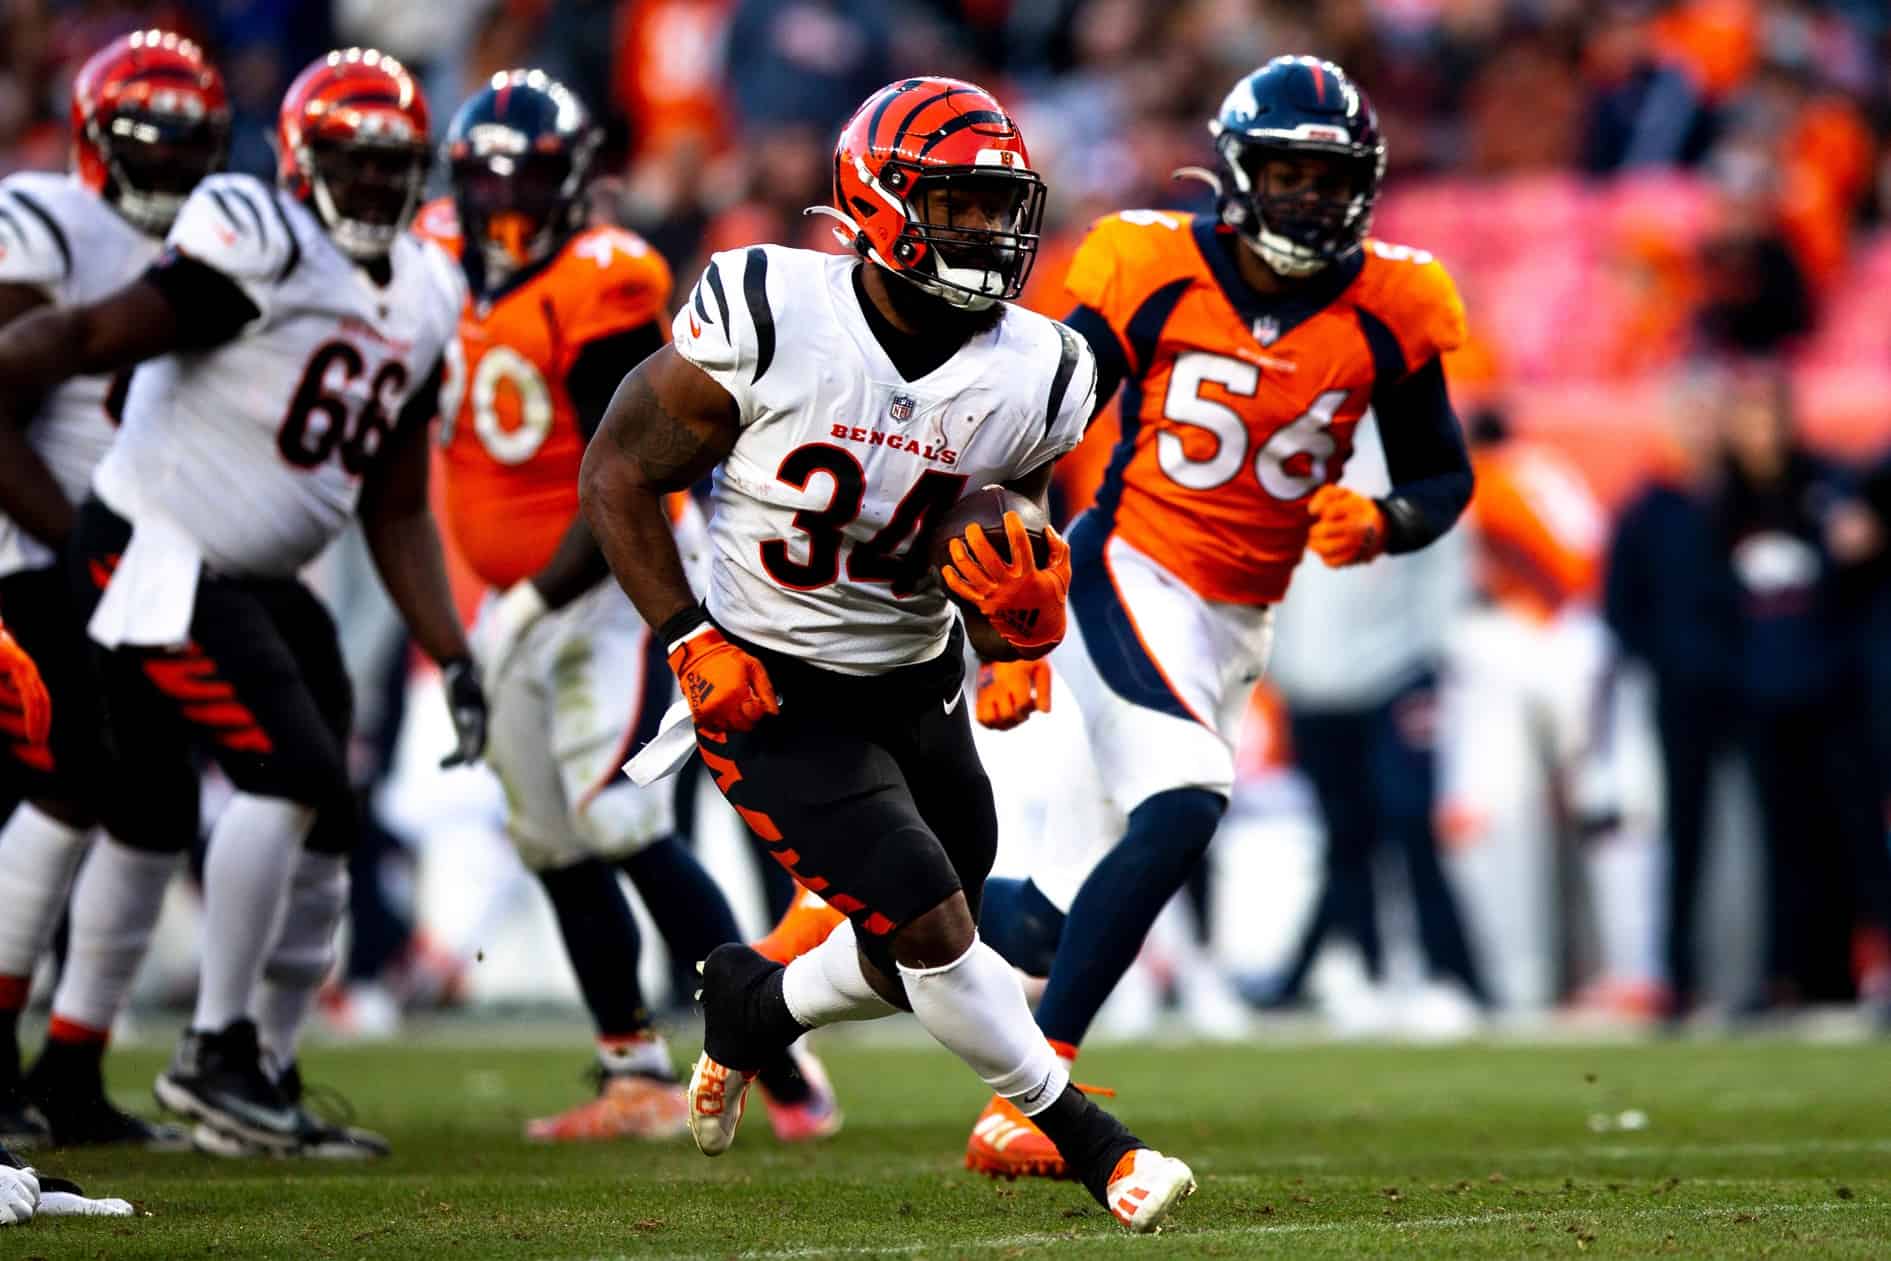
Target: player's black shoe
x,y
217,1079
68,1090
328,1132
21,1124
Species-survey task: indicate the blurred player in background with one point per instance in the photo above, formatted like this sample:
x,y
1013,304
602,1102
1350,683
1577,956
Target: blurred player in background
x,y
149,120
1544,736
291,341
845,403
557,314
1249,345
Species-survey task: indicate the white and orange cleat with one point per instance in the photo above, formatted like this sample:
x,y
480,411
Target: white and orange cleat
x,y
628,1105
1005,1144
1145,1187
716,1097
816,1117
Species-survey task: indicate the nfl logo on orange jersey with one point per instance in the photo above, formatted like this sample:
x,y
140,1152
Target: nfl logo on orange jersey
x,y
1267,330
901,408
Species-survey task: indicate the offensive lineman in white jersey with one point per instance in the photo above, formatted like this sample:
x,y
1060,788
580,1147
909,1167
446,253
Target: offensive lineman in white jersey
x,y
291,340
844,403
149,120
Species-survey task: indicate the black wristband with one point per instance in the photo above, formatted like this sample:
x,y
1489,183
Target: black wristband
x,y
682,624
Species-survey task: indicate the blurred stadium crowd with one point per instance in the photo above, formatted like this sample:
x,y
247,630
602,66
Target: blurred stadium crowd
x,y
1668,221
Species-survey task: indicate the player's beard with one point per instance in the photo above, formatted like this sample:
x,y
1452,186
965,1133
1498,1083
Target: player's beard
x,y
933,316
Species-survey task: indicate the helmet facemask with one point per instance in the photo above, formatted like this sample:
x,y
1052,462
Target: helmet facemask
x,y
1299,206
977,227
155,155
517,209
365,191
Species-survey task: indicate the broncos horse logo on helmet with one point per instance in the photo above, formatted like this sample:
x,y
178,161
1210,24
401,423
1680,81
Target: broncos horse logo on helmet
x,y
520,152
1301,161
933,183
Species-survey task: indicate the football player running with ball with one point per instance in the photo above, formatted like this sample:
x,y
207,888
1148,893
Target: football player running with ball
x,y
845,402
288,345
557,312
1248,345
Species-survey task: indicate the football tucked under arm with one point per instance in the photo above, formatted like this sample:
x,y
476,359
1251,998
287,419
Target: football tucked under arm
x,y
1426,457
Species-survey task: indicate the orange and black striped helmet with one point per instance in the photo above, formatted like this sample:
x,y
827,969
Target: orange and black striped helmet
x,y
351,139
932,180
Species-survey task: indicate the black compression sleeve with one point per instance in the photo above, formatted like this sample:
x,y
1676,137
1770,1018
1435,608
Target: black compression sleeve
x,y
1112,366
601,366
212,308
1425,454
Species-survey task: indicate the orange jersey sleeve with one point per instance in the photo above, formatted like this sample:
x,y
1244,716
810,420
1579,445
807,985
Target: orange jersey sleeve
x,y
1237,406
513,442
1540,532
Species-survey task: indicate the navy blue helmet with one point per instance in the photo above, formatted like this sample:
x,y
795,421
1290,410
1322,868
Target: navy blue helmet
x,y
519,153
1300,216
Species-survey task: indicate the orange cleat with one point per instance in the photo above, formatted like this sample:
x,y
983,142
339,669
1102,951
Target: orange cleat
x,y
1005,1144
804,925
628,1105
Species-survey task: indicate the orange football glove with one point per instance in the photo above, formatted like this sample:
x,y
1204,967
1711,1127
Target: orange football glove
x,y
1348,528
727,688
1011,691
28,689
1023,603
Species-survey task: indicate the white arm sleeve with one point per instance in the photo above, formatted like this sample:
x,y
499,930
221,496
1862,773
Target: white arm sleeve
x,y
726,325
231,223
34,249
1072,397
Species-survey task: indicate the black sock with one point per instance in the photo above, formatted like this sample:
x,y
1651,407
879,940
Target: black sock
x,y
746,1023
602,942
783,1081
9,1052
774,1024
68,1069
1089,1139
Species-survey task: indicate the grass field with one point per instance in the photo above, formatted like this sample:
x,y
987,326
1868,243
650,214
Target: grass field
x,y
1750,1149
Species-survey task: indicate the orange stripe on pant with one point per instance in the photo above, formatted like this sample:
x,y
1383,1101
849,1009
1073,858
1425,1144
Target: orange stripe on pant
x,y
208,701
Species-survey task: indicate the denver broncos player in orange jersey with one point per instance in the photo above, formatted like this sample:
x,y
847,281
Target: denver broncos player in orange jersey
x,y
1248,345
557,313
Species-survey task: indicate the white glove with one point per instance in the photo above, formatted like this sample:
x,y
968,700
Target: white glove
x,y
19,1195
75,1203
502,624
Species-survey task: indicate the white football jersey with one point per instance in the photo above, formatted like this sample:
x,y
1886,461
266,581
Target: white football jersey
x,y
58,236
820,514
257,447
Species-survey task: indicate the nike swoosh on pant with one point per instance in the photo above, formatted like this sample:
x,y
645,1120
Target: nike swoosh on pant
x,y
953,704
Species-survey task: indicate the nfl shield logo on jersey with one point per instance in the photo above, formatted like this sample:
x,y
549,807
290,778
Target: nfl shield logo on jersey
x,y
901,408
1267,330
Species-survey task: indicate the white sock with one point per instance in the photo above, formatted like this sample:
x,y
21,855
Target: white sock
x,y
1626,880
247,871
303,954
825,985
115,909
647,1053
38,855
975,1008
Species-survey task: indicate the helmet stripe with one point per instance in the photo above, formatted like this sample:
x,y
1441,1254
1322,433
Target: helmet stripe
x,y
873,128
1319,82
899,137
959,123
